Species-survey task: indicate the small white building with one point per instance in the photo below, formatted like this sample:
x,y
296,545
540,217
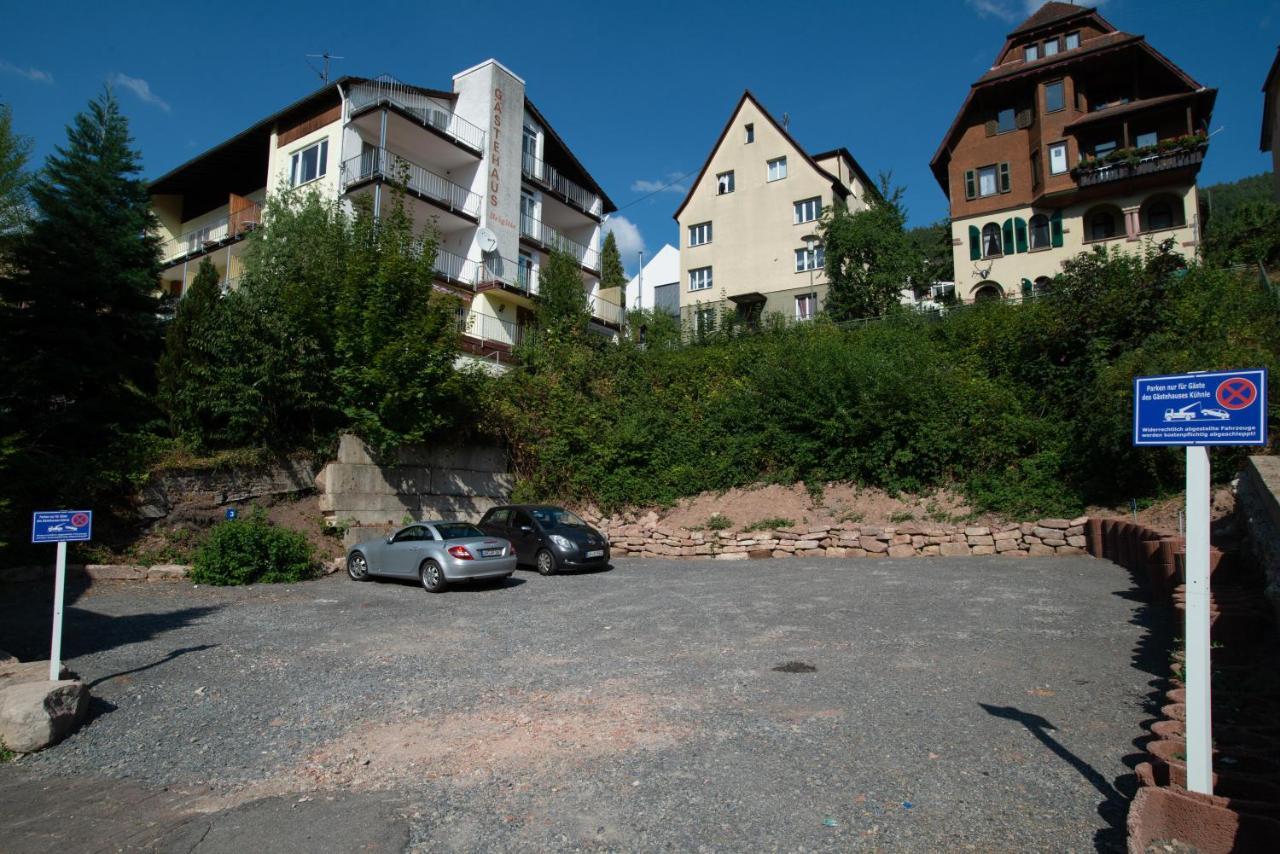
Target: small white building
x,y
657,285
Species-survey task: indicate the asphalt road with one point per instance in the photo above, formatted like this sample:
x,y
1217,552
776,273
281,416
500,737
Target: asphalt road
x,y
930,705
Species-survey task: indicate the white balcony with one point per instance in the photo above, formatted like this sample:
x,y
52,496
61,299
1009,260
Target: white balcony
x,y
382,164
426,110
212,235
543,173
550,238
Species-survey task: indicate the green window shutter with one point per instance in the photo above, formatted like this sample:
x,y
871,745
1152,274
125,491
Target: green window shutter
x,y
1020,233
975,243
1026,287
1008,236
1055,229
970,185
1004,177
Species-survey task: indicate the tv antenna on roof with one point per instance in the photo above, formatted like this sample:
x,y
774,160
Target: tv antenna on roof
x,y
786,121
326,56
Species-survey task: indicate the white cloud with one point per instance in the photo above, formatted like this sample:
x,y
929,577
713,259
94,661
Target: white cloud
x,y
1012,11
33,74
673,183
139,87
627,236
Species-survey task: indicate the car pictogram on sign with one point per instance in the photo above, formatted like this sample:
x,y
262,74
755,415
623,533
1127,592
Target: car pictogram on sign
x,y
1237,392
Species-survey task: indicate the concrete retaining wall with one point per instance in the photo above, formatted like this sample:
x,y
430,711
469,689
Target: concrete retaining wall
x,y
452,481
1258,501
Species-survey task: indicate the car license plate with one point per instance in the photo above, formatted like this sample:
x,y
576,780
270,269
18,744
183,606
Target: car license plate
x,y
490,552
596,553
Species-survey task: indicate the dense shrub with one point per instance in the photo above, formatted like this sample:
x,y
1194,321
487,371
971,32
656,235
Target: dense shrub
x,y
1026,408
251,550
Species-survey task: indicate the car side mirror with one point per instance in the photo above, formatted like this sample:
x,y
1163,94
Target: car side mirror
x,y
391,538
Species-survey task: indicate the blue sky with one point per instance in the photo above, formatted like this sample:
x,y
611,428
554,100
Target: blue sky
x,y
639,90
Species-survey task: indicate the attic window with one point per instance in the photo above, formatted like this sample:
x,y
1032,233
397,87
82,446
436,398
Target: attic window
x,y
1006,120
1072,41
750,133
1031,52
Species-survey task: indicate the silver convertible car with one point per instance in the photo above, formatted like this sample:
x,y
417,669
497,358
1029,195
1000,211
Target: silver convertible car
x,y
435,553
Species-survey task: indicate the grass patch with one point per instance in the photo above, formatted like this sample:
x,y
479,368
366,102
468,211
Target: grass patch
x,y
768,525
717,522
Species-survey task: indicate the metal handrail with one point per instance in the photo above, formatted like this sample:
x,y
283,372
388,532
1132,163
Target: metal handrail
x,y
544,173
425,109
374,162
487,328
211,235
603,309
553,239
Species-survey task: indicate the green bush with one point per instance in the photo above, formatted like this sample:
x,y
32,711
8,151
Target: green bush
x,y
251,551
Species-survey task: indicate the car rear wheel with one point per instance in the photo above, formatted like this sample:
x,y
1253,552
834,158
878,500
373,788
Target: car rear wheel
x,y
433,580
545,562
357,567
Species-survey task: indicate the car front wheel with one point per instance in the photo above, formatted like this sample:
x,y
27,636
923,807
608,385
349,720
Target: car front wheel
x,y
545,562
357,567
433,580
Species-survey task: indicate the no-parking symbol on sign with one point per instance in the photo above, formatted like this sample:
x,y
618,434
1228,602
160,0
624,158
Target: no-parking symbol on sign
x,y
1209,408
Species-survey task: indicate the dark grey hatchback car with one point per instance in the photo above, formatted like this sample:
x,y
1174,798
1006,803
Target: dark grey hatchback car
x,y
549,538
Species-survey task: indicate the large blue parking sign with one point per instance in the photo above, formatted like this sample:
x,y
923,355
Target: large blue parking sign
x,y
61,526
1220,408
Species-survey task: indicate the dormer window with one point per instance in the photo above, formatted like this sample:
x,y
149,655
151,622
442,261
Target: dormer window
x,y
1031,52
1051,47
1072,41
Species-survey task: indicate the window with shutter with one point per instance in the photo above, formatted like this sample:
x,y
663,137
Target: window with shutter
x,y
975,243
970,185
1055,229
1020,234
993,127
1007,228
1004,177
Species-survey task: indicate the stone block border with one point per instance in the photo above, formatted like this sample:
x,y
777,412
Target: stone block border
x,y
647,538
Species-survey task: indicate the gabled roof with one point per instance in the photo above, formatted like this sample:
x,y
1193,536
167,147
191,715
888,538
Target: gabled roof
x,y
1268,102
854,166
608,206
1049,14
747,96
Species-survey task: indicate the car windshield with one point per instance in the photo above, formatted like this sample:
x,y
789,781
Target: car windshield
x,y
458,530
554,517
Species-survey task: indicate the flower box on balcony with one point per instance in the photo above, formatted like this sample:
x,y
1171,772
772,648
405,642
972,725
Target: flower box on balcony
x,y
1130,162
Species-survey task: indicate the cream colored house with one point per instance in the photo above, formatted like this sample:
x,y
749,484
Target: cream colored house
x,y
482,166
749,241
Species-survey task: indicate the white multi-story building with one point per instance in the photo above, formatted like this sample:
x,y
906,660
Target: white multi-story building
x,y
482,165
657,285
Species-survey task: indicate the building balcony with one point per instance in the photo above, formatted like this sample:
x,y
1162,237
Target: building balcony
x,y
428,111
213,235
1132,163
380,164
488,336
606,311
571,193
549,238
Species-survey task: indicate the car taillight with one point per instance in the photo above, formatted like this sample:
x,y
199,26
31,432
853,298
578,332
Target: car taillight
x,y
461,553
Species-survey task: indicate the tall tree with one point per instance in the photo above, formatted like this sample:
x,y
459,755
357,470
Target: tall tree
x,y
79,326
562,314
869,257
612,274
14,178
188,352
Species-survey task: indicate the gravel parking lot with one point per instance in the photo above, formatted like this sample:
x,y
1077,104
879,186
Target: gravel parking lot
x,y
921,704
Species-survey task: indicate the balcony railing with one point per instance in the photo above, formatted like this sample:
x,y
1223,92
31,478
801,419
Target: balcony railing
x,y
212,235
552,239
606,311
545,174
1092,175
378,162
455,268
427,110
488,329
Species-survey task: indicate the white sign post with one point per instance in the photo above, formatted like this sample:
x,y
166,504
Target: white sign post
x,y
1196,631
61,527
1199,410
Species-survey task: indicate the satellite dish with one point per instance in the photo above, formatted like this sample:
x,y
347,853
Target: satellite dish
x,y
487,240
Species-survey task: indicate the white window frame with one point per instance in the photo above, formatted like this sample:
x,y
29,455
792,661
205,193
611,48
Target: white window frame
x,y
994,171
806,306
807,260
700,279
749,133
700,234
776,169
296,161
802,207
724,183
1058,147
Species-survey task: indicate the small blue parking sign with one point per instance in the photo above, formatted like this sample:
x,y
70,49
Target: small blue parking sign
x,y
1218,408
61,526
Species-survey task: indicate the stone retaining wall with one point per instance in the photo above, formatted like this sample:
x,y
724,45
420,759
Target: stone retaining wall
x,y
648,538
1258,499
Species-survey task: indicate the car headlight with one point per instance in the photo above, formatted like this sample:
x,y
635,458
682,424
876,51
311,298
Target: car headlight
x,y
562,542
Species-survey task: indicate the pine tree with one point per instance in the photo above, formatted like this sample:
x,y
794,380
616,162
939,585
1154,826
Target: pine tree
x,y
14,150
78,316
612,274
187,352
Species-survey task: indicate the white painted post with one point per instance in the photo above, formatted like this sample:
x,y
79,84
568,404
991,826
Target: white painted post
x,y
1199,714
59,585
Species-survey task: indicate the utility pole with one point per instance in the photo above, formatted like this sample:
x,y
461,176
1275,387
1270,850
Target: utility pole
x,y
640,283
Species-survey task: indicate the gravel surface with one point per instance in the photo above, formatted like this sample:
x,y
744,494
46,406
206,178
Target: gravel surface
x,y
953,704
